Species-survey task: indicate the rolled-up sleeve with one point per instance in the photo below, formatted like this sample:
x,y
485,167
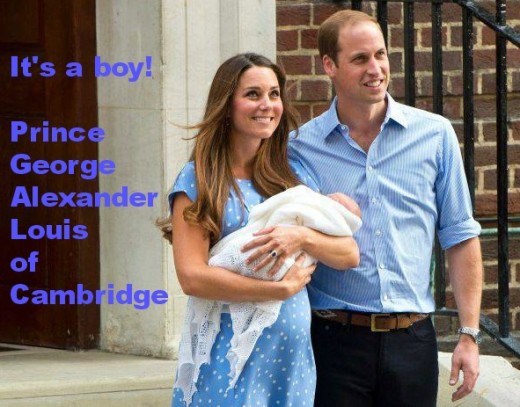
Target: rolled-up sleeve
x,y
455,221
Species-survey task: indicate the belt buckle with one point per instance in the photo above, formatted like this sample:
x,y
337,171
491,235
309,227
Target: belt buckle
x,y
373,318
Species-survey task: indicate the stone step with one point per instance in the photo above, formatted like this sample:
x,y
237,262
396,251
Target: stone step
x,y
48,377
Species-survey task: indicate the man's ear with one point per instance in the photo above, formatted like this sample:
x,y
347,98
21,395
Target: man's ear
x,y
329,66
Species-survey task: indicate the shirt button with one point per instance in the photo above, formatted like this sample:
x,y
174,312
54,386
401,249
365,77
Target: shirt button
x,y
385,297
382,266
378,233
343,127
374,200
370,168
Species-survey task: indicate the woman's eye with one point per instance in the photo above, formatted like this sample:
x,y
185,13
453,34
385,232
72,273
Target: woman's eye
x,y
252,94
275,93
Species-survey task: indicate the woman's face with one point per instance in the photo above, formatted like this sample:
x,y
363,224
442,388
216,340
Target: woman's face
x,y
256,106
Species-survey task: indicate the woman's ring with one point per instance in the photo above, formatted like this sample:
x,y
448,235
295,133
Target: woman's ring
x,y
273,253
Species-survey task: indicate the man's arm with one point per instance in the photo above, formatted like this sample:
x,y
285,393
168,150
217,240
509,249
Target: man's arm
x,y
465,270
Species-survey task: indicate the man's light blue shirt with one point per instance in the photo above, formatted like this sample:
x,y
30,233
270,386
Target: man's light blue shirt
x,y
409,185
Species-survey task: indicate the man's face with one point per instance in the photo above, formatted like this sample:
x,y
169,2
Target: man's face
x,y
362,72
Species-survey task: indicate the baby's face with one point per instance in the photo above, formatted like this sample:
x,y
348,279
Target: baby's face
x,y
347,202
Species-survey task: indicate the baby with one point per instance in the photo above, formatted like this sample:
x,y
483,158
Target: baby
x,y
335,215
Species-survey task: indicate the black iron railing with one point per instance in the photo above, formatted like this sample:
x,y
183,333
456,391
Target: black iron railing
x,y
505,34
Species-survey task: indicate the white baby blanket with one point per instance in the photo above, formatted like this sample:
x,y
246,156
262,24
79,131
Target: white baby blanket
x,y
295,206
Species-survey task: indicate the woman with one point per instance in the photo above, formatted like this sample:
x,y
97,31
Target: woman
x,y
239,160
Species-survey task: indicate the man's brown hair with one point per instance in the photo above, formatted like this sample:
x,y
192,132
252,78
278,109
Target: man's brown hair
x,y
329,30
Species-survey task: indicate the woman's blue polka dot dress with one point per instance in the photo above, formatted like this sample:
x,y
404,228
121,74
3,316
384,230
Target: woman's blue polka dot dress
x,y
280,371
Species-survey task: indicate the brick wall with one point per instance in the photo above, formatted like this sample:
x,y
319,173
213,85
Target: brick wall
x,y
297,25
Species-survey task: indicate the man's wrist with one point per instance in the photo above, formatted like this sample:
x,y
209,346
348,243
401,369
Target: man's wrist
x,y
472,333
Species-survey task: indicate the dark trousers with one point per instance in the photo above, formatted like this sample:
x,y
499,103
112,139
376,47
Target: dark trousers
x,y
360,368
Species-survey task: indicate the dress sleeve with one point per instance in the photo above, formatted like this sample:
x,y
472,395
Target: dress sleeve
x,y
303,175
186,182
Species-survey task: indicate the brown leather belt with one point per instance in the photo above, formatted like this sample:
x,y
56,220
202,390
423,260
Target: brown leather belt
x,y
376,322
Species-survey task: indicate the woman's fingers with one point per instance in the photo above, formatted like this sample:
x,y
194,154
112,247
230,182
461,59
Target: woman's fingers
x,y
300,259
268,258
254,243
264,231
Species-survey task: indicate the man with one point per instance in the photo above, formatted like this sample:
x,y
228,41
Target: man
x,y
373,338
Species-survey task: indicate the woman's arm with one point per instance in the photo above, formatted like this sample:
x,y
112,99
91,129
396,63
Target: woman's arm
x,y
190,251
337,252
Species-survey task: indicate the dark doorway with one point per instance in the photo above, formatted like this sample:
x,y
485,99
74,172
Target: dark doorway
x,y
59,32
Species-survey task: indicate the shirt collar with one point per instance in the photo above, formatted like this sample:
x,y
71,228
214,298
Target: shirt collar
x,y
331,121
395,112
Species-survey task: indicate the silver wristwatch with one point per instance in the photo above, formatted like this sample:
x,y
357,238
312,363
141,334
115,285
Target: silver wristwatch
x,y
473,332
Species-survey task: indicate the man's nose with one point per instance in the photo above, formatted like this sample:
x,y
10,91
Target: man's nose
x,y
373,66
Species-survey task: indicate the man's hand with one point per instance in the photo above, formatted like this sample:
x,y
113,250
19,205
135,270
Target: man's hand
x,y
466,359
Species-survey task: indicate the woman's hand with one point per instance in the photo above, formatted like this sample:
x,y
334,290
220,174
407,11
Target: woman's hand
x,y
276,242
297,277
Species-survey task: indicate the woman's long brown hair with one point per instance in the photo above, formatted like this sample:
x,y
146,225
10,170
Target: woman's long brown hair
x,y
212,151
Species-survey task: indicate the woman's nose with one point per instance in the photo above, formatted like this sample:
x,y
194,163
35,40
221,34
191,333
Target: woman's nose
x,y
265,103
